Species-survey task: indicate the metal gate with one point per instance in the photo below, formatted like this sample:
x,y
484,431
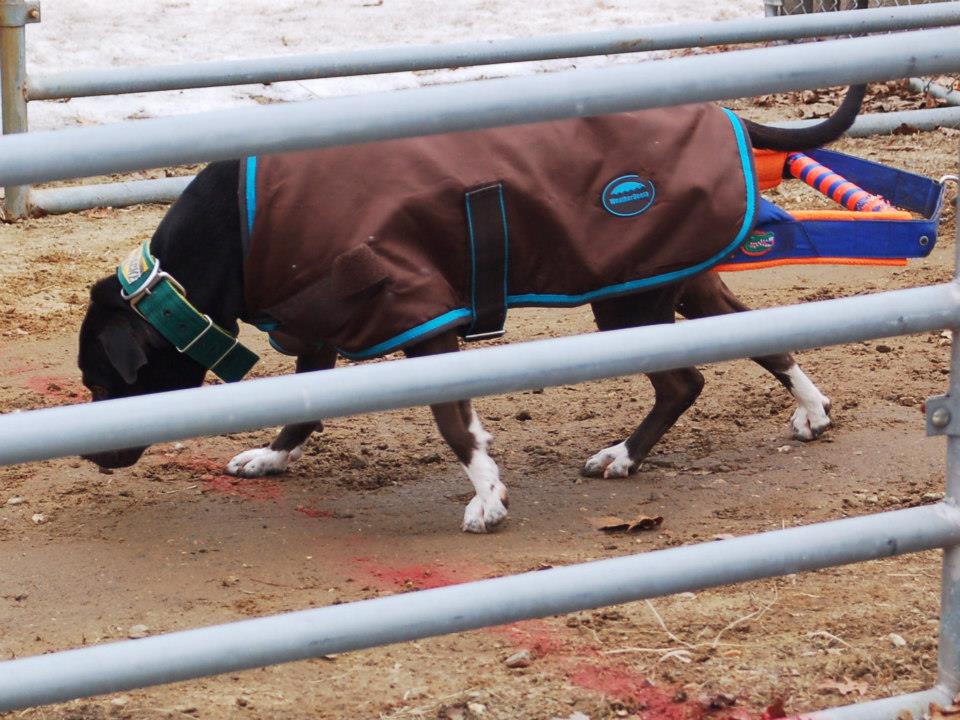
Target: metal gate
x,y
29,158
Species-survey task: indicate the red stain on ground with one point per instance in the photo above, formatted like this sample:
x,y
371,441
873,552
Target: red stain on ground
x,y
542,639
249,488
63,390
411,577
213,476
647,701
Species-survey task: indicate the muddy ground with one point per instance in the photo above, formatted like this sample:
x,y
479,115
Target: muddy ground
x,y
374,508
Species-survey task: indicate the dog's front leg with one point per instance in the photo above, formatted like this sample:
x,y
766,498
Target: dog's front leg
x,y
288,445
460,427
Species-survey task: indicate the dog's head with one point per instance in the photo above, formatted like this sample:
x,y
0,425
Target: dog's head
x,y
122,355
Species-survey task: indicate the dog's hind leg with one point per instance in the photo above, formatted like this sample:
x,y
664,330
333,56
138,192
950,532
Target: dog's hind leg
x,y
674,390
460,427
707,295
287,446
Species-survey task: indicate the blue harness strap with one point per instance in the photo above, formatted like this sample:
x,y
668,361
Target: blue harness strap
x,y
778,236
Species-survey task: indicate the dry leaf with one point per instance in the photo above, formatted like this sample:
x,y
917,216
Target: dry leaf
x,y
611,523
846,687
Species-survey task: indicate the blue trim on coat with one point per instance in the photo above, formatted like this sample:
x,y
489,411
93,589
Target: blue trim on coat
x,y
251,183
447,320
746,162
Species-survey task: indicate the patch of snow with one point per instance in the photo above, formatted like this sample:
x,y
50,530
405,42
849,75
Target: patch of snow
x,y
77,35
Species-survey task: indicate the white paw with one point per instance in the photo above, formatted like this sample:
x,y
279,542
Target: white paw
x,y
611,462
262,461
809,424
481,517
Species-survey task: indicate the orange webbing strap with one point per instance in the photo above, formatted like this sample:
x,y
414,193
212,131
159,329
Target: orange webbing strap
x,y
850,215
762,264
769,164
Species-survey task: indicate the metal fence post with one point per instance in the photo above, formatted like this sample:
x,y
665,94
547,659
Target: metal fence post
x,y
949,647
14,15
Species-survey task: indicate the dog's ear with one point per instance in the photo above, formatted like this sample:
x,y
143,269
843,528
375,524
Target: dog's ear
x,y
106,292
124,349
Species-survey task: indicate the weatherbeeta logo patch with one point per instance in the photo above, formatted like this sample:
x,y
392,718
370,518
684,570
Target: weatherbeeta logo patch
x,y
628,195
759,243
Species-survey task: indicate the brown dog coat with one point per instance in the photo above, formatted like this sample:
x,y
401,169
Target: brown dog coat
x,y
371,247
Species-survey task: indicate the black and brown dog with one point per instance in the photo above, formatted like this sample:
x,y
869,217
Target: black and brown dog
x,y
201,240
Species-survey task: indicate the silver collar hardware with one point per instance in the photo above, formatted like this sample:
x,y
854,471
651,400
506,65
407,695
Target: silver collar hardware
x,y
200,335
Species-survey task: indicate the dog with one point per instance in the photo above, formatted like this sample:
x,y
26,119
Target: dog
x,y
208,247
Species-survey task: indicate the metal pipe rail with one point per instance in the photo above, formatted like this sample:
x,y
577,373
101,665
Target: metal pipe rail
x,y
114,194
36,157
299,635
136,421
89,82
132,192
949,95
369,61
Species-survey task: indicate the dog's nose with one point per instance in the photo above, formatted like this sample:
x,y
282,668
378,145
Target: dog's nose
x,y
115,458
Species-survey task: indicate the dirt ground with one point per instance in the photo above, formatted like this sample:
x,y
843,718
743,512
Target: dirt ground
x,y
375,505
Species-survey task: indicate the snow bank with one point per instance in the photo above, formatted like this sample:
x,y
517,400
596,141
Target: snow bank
x,y
78,34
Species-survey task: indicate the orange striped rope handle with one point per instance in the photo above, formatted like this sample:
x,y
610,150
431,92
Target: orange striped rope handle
x,y
834,186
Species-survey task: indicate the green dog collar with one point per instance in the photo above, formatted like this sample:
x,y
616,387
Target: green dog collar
x,y
162,302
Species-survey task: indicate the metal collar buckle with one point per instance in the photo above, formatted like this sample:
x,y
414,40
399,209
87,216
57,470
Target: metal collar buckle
x,y
155,277
199,335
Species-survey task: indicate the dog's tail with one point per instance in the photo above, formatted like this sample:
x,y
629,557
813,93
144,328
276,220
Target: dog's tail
x,y
786,139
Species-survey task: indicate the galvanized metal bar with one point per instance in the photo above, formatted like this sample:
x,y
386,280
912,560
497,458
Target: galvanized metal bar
x,y
228,134
12,95
120,194
886,123
948,661
353,626
951,97
893,708
136,421
108,81
70,199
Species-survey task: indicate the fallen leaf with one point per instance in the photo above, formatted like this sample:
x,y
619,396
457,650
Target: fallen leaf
x,y
611,523
846,687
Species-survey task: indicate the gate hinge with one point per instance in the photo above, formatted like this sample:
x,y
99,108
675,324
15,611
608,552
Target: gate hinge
x,y
16,13
943,415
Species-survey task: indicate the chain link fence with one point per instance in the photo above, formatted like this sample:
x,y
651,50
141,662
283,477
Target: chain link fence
x,y
942,88
796,7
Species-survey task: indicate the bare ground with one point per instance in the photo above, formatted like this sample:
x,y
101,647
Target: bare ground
x,y
374,509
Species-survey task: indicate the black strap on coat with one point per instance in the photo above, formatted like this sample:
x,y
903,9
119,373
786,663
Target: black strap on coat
x,y
489,242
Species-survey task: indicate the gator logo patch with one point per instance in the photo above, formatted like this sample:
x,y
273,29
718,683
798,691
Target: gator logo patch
x,y
628,195
133,266
759,243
